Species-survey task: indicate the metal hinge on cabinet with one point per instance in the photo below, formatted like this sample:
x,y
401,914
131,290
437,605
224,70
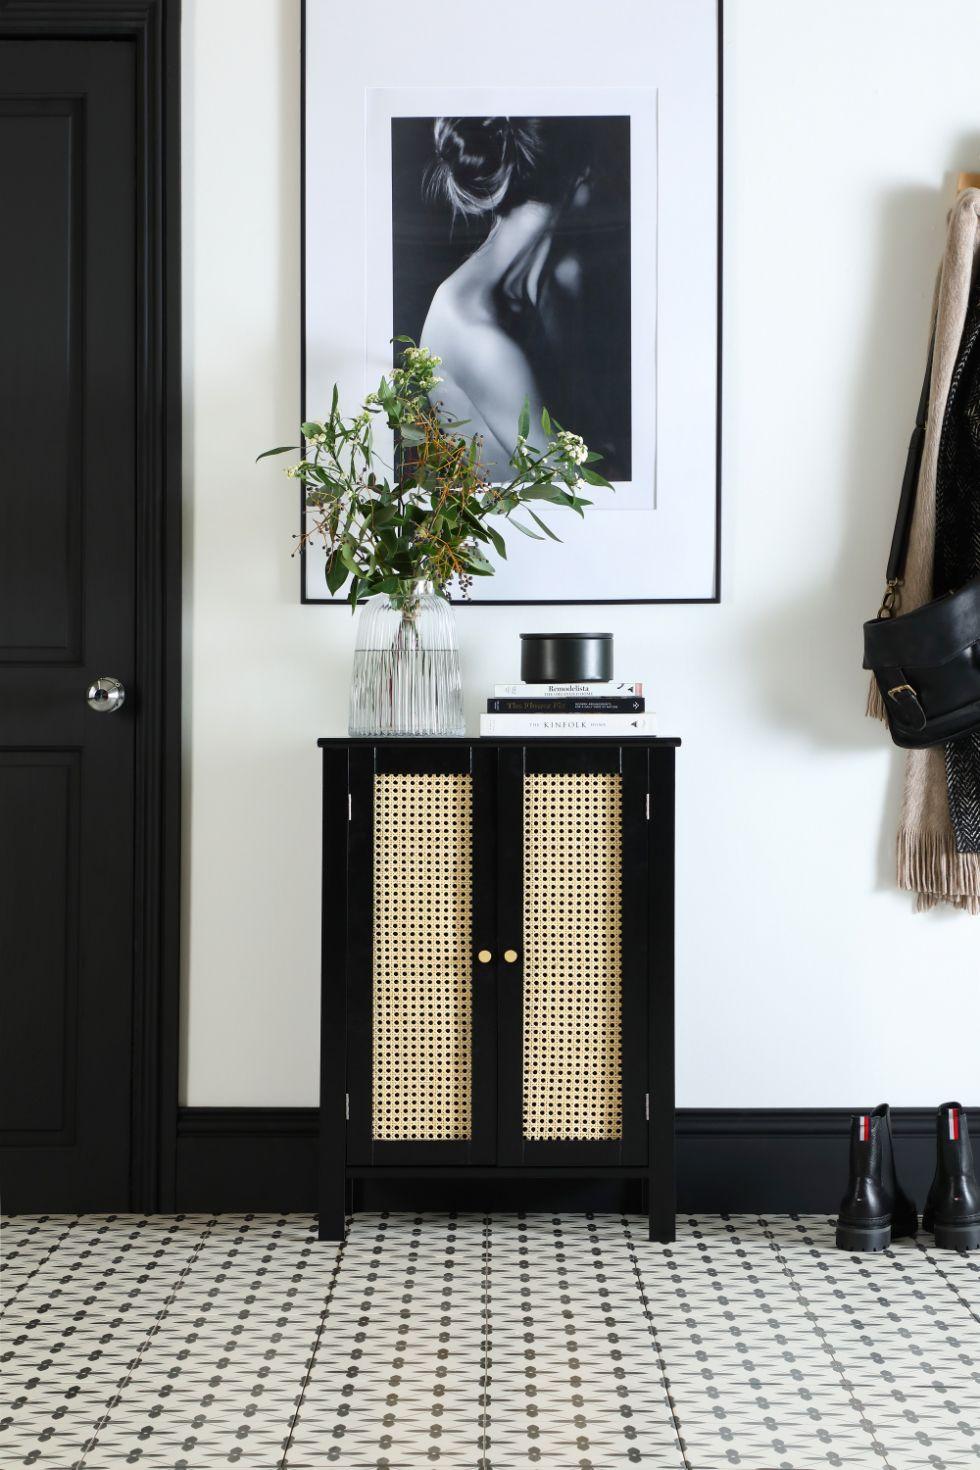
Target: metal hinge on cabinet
x,y
347,1106
648,806
648,1107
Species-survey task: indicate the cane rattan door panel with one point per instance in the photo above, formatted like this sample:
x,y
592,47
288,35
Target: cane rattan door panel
x,y
422,983
421,1062
572,936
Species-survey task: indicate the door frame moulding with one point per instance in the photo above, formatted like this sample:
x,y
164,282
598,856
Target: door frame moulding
x,y
153,26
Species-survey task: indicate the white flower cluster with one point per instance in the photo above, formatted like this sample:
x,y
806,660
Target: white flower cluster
x,y
297,471
421,358
573,446
419,369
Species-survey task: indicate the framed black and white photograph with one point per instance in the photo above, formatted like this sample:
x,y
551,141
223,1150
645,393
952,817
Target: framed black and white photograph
x,y
534,199
510,259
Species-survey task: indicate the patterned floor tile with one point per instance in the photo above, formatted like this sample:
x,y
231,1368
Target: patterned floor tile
x,y
397,1374
221,1377
752,1382
71,1340
28,1243
186,1343
907,1344
572,1373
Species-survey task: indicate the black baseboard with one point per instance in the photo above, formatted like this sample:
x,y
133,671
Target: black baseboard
x,y
757,1160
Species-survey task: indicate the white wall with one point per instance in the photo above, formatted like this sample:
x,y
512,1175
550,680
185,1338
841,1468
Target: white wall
x,y
803,978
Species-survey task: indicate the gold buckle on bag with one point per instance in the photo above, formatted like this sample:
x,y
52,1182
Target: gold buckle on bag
x,y
902,689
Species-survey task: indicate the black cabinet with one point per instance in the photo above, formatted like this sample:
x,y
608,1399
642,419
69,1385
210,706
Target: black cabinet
x,y
497,981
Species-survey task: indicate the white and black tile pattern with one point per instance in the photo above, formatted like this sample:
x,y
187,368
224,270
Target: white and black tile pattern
x,y
566,1342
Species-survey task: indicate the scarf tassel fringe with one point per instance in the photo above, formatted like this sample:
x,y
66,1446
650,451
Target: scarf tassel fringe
x,y
875,708
936,873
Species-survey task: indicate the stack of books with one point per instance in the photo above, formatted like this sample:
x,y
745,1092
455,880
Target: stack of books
x,y
613,708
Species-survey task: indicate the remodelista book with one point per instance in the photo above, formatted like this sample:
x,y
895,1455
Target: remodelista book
x,y
609,689
518,726
555,705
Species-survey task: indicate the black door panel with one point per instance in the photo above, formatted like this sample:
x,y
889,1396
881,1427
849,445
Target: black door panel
x,y
68,382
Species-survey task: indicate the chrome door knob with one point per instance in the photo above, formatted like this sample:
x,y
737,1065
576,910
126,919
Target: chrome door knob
x,y
106,695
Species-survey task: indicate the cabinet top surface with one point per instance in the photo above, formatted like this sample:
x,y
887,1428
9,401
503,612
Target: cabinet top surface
x,y
644,741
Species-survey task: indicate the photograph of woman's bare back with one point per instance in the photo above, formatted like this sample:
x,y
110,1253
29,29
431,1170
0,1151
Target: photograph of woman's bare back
x,y
511,262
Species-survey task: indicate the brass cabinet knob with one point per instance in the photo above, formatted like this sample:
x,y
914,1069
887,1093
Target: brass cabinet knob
x,y
484,956
510,955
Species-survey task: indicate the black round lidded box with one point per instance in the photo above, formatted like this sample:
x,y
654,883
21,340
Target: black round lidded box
x,y
566,658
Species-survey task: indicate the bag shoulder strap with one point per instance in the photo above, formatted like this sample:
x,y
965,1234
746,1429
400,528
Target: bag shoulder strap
x,y
910,481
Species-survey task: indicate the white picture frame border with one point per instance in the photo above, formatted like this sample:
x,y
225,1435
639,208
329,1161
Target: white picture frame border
x,y
699,579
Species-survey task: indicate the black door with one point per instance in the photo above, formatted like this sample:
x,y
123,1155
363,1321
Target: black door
x,y
421,966
573,941
68,396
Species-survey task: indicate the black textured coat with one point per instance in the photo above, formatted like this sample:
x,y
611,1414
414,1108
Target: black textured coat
x,y
957,557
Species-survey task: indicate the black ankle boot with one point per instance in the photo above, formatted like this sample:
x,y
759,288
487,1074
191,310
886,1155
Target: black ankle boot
x,y
875,1210
953,1207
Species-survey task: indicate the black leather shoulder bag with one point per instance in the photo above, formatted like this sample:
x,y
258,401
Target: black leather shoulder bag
x,y
926,662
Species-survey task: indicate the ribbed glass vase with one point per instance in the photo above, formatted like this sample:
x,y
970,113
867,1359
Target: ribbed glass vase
x,y
406,678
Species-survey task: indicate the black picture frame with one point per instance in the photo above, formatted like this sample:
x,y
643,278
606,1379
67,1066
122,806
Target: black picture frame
x,y
715,596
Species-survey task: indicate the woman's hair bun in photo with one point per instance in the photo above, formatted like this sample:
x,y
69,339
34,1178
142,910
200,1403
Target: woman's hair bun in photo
x,y
482,160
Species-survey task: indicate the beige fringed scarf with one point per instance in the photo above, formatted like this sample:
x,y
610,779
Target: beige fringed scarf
x,y
928,862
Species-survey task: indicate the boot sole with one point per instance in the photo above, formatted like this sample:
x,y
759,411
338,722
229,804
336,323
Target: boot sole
x,y
957,1237
863,1237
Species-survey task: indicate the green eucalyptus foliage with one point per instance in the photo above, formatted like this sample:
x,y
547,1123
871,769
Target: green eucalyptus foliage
x,y
435,517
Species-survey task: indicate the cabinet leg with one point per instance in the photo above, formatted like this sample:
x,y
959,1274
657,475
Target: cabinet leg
x,y
662,1210
332,1219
